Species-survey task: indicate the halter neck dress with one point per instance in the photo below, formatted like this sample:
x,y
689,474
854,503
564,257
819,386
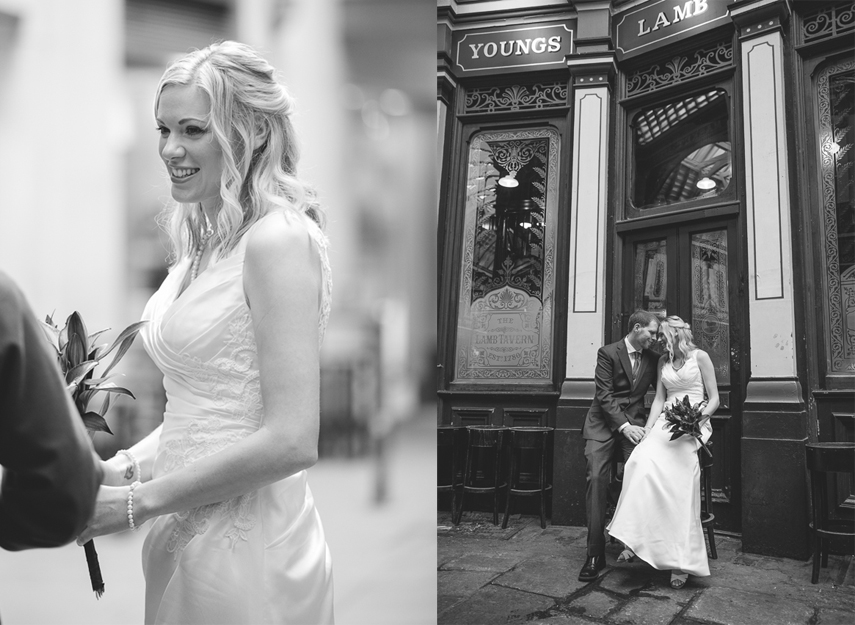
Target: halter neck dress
x,y
658,512
261,557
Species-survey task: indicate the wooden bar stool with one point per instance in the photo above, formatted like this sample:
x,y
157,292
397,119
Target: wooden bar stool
x,y
822,459
707,517
535,442
449,476
485,447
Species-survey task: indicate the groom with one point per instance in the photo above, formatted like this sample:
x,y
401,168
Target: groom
x,y
625,371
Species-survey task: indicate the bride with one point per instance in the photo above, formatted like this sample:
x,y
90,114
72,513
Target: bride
x,y
658,513
235,328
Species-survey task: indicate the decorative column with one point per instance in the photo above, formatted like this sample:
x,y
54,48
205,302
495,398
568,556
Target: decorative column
x,y
586,294
774,422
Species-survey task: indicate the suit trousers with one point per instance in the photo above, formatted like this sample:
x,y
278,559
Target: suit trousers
x,y
599,455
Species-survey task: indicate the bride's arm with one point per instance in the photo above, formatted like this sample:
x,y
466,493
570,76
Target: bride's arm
x,y
120,469
708,374
657,405
282,280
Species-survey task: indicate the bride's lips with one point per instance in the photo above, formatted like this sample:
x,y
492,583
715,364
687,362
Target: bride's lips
x,y
182,174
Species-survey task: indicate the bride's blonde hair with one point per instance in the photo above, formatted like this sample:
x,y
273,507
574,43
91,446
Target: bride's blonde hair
x,y
250,119
678,338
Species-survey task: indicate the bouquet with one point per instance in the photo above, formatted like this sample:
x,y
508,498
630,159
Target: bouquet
x,y
78,355
684,418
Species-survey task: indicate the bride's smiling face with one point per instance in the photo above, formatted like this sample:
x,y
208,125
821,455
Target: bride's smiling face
x,y
193,157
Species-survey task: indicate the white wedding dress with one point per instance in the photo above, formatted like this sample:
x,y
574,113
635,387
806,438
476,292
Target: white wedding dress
x,y
258,558
658,512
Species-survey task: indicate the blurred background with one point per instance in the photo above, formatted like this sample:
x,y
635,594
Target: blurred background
x,y
81,184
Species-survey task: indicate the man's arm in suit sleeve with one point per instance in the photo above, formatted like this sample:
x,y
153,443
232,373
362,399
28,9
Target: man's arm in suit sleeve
x,y
604,380
50,474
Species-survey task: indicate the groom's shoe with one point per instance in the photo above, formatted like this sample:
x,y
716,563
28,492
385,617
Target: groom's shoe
x,y
592,568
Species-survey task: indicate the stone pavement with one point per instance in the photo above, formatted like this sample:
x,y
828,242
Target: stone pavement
x,y
525,574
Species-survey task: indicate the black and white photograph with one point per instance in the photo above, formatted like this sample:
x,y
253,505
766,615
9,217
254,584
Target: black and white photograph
x,y
646,312
218,311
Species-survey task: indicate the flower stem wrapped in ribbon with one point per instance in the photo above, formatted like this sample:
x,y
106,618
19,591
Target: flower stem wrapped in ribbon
x,y
78,355
684,418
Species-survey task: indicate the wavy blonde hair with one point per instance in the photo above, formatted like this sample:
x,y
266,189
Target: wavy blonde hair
x,y
678,338
250,119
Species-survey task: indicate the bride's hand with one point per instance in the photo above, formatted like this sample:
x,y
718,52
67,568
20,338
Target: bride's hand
x,y
110,515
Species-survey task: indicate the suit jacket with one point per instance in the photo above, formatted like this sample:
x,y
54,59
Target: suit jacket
x,y
50,475
619,399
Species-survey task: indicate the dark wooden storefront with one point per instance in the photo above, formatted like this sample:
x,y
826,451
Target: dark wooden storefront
x,y
671,192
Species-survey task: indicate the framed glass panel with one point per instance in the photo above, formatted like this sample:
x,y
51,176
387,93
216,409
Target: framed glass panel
x,y
710,309
836,95
681,151
650,279
505,310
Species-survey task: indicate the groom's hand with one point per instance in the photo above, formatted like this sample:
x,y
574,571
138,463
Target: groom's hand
x,y
634,433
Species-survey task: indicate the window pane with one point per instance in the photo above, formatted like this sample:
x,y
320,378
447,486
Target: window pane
x,y
710,311
836,92
504,329
650,282
682,151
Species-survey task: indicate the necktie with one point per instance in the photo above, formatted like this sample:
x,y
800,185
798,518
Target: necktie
x,y
636,358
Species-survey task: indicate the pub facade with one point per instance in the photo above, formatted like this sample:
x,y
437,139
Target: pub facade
x,y
688,157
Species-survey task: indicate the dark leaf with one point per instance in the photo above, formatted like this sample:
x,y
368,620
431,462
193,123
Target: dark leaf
x,y
95,423
129,334
106,405
130,331
77,350
109,387
76,374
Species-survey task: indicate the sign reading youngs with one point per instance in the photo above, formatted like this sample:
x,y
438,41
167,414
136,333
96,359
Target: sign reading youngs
x,y
523,48
661,23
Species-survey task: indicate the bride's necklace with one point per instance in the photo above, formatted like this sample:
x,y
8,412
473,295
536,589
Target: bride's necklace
x,y
197,258
675,367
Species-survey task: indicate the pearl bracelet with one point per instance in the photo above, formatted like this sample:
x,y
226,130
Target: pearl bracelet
x,y
137,475
131,506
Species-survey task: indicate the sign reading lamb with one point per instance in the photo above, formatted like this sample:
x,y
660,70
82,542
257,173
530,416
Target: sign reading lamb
x,y
661,23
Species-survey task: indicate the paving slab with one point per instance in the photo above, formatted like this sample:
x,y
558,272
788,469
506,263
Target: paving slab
x,y
461,583
646,611
496,562
493,605
834,617
593,604
563,619
555,576
728,606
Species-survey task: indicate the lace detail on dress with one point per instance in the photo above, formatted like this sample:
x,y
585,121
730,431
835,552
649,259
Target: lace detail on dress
x,y
326,276
234,384
205,437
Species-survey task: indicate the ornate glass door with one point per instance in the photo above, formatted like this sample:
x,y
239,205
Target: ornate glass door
x,y
689,271
505,306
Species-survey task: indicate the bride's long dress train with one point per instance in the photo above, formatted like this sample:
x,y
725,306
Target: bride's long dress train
x,y
658,512
259,558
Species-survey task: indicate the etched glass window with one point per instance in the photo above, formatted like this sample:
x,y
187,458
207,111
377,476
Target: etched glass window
x,y
681,151
710,310
650,282
836,95
504,324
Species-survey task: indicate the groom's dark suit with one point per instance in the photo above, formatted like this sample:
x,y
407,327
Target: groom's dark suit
x,y
619,399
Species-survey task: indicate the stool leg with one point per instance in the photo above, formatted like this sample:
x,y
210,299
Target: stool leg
x,y
496,484
542,484
711,536
818,511
466,471
511,475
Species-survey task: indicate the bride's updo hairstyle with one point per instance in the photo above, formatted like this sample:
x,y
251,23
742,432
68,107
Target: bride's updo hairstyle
x,y
678,338
250,120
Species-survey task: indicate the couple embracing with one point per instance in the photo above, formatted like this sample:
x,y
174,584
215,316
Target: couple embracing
x,y
657,517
